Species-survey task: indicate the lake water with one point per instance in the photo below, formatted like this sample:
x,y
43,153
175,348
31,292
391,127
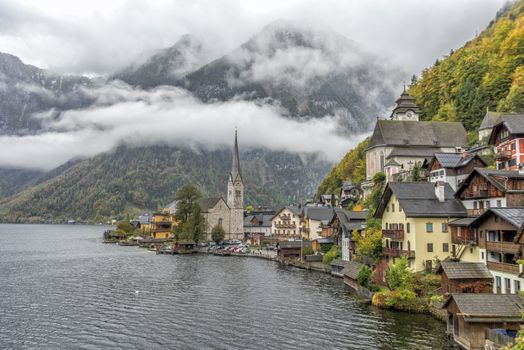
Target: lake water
x,y
61,288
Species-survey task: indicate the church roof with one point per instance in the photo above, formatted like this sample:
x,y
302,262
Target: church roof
x,y
235,166
405,103
409,133
490,119
208,203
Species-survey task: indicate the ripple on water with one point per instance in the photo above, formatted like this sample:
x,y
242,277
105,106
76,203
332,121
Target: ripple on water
x,y
60,288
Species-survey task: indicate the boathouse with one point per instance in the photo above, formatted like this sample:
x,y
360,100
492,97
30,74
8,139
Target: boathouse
x,y
291,249
475,320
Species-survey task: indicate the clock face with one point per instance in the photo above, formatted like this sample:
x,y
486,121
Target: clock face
x,y
409,114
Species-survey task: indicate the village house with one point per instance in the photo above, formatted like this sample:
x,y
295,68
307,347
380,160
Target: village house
x,y
229,213
465,277
349,194
343,224
404,141
452,168
415,221
287,223
329,200
161,225
479,320
258,223
486,188
500,245
316,220
508,138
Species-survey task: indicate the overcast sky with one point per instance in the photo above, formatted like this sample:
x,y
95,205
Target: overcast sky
x,y
101,36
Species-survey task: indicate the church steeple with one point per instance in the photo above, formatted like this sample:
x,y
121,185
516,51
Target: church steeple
x,y
406,108
235,166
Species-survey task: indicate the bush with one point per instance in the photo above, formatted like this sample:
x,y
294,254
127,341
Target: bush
x,y
401,299
217,234
125,226
307,251
424,284
363,276
334,253
398,275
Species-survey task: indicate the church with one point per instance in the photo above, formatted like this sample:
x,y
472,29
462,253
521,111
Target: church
x,y
227,213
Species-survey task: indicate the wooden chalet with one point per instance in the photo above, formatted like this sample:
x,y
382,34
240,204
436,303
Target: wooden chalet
x,y
486,188
465,277
508,138
479,320
452,168
291,249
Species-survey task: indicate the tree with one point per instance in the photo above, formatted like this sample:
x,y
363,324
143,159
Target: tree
x,y
334,253
189,215
125,226
415,173
187,198
364,275
369,243
218,234
398,275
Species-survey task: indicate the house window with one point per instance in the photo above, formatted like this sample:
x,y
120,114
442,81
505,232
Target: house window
x,y
407,227
481,205
517,286
429,227
444,227
237,193
445,247
220,221
488,205
513,146
504,134
498,282
392,208
430,247
482,256
474,204
507,281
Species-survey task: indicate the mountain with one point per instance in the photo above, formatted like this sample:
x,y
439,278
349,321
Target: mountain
x,y
167,66
130,180
308,72
487,72
26,90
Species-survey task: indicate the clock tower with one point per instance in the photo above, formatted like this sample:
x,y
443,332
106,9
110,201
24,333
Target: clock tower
x,y
406,109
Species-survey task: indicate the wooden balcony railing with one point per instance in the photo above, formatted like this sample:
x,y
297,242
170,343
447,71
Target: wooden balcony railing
x,y
287,226
464,238
503,155
503,247
393,234
504,267
475,212
398,253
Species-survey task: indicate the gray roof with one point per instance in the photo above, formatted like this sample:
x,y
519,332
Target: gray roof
x,y
264,218
294,244
352,269
453,160
418,199
339,262
350,220
490,119
319,213
208,203
513,122
465,270
391,162
487,305
463,221
416,133
515,216
294,209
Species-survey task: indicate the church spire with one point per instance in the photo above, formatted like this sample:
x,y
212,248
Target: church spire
x,y
235,168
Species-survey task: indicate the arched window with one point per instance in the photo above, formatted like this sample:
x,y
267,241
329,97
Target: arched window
x,y
381,161
220,221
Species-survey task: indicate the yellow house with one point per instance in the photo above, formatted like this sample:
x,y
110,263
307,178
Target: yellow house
x,y
161,225
415,221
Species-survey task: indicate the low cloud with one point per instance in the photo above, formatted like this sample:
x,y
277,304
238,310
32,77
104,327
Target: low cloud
x,y
167,115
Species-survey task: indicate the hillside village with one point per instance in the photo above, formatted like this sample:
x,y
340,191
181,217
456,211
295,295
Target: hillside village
x,y
448,216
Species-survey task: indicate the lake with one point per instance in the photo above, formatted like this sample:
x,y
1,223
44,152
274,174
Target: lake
x,y
61,288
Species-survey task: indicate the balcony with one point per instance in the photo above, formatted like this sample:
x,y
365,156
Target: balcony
x,y
503,247
475,212
393,234
286,226
398,253
501,155
504,267
467,236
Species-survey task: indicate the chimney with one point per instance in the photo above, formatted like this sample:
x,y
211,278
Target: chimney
x,y
439,191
